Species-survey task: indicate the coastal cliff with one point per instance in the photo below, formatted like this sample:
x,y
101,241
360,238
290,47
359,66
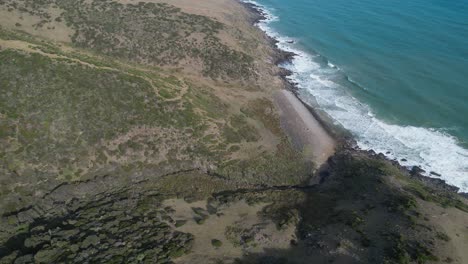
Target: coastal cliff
x,y
164,132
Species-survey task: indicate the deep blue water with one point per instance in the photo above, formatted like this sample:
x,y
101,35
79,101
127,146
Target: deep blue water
x,y
392,72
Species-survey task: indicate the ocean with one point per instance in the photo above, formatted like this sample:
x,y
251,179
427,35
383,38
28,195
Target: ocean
x,y
394,73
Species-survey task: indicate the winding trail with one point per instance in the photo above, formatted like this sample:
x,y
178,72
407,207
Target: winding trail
x,y
34,48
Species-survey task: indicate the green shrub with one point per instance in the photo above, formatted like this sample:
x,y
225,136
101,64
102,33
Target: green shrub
x,y
216,243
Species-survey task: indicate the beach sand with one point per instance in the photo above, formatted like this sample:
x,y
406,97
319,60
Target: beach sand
x,y
305,132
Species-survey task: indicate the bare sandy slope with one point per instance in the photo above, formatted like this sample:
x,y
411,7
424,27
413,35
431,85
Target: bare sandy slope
x,y
223,10
453,223
306,133
16,20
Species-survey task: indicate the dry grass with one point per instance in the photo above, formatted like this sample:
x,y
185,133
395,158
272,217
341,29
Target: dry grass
x,y
237,226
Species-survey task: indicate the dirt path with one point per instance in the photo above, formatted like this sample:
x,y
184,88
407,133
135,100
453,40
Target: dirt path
x,y
31,48
306,133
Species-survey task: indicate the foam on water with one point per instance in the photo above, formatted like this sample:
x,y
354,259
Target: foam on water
x,y
331,65
432,150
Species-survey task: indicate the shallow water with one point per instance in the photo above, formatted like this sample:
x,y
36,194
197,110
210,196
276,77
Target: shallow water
x,y
393,73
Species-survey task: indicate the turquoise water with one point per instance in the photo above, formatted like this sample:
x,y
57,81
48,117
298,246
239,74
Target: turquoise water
x,y
392,72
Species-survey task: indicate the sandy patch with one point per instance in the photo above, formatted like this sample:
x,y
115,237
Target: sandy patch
x,y
306,133
221,10
453,223
53,30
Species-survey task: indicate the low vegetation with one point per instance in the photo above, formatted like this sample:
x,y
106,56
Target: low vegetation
x,y
103,109
148,33
146,104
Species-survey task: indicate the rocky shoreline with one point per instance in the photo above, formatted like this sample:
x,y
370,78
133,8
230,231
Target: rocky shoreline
x,y
344,138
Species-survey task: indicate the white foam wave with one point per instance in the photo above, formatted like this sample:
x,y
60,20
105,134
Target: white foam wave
x,y
432,150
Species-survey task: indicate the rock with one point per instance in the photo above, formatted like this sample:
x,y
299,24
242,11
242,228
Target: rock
x,y
284,56
47,256
36,241
9,258
96,233
90,240
435,174
24,259
404,160
437,184
74,248
37,229
141,257
416,170
67,234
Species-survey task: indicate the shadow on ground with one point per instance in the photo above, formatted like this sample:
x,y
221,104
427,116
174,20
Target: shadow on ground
x,y
357,215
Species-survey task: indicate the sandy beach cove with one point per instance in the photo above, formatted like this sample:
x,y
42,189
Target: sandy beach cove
x,y
306,133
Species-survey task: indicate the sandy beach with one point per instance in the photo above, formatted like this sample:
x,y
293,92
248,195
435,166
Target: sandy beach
x,y
306,133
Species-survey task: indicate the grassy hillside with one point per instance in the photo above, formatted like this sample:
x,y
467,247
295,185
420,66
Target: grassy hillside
x,y
142,133
149,33
67,115
101,118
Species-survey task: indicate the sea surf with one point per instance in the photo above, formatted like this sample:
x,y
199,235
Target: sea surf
x,y
385,112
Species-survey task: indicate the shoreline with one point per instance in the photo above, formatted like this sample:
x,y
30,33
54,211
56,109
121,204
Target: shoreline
x,y
280,57
344,140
